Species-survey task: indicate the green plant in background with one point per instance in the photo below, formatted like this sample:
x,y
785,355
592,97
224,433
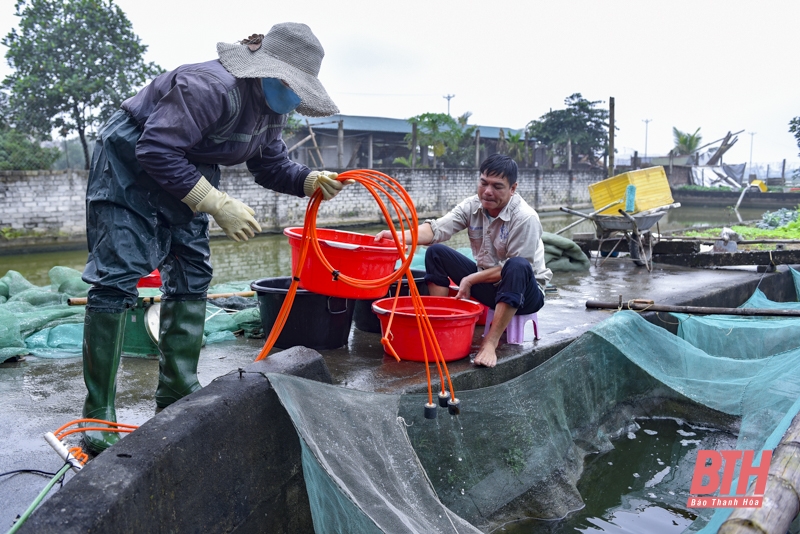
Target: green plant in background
x,y
703,188
293,124
582,123
74,64
685,143
19,152
777,219
515,146
780,224
451,140
405,162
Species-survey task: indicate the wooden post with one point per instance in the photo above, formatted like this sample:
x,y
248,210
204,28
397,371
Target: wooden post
x,y
354,156
611,137
635,162
369,152
340,145
316,146
477,148
527,157
413,146
306,138
783,170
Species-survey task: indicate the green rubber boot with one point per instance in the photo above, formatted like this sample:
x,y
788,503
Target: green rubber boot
x,y
179,341
102,347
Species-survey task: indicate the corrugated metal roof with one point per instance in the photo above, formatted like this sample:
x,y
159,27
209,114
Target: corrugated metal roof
x,y
385,124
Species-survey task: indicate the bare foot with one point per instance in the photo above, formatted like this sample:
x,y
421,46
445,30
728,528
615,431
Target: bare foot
x,y
486,357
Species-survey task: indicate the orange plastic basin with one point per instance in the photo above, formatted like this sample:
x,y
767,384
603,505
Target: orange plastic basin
x,y
453,322
352,254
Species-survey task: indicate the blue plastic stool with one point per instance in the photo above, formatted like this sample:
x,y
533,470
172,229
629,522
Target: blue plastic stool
x,y
515,331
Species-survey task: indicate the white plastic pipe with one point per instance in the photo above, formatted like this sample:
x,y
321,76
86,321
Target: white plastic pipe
x,y
62,451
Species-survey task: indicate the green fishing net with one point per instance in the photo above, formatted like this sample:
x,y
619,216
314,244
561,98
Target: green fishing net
x,y
373,463
38,321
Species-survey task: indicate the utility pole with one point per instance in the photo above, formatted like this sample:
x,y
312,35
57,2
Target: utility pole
x,y
448,97
750,166
611,137
646,124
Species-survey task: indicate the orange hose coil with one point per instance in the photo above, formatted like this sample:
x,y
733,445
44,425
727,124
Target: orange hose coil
x,y
378,185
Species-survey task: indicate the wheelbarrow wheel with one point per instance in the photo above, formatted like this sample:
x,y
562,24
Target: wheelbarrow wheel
x,y
641,256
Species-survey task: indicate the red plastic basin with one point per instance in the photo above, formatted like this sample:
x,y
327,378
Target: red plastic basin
x,y
352,254
453,291
453,322
151,280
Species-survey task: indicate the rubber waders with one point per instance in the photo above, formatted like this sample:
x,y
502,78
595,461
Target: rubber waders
x,y
102,347
179,341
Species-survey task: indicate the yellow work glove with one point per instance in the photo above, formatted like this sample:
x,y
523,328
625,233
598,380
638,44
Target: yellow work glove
x,y
325,181
234,217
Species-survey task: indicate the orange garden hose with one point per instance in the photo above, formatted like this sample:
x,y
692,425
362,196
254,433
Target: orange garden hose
x,y
380,186
75,456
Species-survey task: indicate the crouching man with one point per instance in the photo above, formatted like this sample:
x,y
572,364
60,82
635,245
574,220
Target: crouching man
x,y
509,273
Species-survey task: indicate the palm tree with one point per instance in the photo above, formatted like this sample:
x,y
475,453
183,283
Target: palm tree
x,y
686,144
515,147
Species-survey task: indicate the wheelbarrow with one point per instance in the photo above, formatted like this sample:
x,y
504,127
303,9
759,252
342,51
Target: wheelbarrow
x,y
633,227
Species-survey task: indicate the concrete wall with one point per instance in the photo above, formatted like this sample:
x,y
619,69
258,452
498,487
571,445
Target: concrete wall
x,y
51,203
224,459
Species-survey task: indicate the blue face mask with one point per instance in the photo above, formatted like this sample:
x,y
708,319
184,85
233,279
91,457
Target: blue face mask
x,y
280,98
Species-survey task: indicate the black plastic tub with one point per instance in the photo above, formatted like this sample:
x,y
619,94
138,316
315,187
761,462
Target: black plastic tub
x,y
315,321
365,318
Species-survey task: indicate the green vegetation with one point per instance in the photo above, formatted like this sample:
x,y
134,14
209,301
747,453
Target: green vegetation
x,y
74,64
781,224
702,188
451,140
685,143
582,123
18,152
770,189
750,232
777,219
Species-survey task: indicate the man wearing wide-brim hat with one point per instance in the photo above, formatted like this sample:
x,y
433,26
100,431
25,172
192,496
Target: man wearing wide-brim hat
x,y
153,184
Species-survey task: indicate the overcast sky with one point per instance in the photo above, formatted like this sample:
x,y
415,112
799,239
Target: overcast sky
x,y
719,66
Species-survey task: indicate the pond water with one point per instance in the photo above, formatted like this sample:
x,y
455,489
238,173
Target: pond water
x,y
270,255
639,487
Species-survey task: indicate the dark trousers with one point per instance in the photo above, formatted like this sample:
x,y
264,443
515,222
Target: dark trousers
x,y
134,226
517,288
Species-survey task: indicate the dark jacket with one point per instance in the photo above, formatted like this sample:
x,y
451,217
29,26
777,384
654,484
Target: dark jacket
x,y
201,113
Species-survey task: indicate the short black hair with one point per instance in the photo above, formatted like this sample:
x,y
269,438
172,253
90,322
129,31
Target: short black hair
x,y
500,165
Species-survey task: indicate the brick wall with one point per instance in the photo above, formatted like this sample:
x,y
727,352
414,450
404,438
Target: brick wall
x,y
43,202
37,203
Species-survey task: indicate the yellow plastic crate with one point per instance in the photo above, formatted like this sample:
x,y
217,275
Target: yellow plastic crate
x,y
652,190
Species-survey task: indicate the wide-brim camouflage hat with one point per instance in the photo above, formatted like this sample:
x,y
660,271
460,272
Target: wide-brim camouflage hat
x,y
290,52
